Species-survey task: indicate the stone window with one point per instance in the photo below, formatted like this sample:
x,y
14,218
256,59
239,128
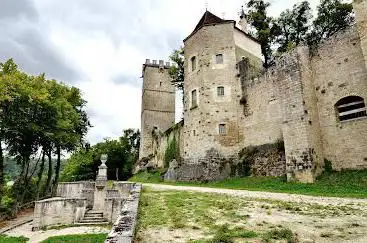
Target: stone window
x,y
220,91
219,58
193,63
194,98
222,129
350,107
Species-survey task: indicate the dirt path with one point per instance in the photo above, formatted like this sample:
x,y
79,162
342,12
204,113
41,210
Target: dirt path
x,y
38,236
264,195
23,217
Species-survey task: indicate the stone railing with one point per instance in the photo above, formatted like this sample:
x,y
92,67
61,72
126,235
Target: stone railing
x,y
124,228
58,211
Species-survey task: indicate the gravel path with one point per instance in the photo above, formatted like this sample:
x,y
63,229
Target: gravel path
x,y
264,195
38,236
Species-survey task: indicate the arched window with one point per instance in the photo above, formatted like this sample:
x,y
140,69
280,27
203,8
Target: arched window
x,y
350,107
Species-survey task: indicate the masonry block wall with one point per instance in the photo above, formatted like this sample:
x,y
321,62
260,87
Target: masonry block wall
x,y
158,103
339,71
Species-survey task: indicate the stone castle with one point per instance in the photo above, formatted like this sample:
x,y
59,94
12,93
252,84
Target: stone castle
x,y
305,113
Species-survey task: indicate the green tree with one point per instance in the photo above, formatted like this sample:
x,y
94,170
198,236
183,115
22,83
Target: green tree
x,y
332,16
122,153
292,26
177,71
265,29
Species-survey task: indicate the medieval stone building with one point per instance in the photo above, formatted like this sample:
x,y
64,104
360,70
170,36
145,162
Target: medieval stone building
x,y
288,120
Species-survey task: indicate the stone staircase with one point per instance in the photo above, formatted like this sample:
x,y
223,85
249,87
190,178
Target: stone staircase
x,y
93,218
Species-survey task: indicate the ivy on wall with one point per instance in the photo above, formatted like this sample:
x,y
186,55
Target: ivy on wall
x,y
172,152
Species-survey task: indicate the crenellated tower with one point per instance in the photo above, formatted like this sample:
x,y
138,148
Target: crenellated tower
x,y
158,103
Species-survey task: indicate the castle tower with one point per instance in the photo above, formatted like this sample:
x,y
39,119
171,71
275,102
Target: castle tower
x,y
212,91
158,103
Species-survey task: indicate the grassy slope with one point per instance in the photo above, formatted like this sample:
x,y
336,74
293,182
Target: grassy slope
x,y
85,238
335,184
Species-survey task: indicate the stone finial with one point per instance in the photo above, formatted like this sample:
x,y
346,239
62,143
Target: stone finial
x,y
147,61
161,62
168,64
154,62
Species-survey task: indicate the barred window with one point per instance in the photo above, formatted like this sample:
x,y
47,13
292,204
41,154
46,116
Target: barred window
x,y
193,63
220,91
222,129
194,98
219,58
350,107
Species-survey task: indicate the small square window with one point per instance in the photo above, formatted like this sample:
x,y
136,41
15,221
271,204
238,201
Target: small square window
x,y
219,58
220,91
194,98
193,63
222,129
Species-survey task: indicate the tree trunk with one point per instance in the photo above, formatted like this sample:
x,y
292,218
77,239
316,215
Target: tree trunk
x,y
49,174
1,171
40,173
25,178
57,171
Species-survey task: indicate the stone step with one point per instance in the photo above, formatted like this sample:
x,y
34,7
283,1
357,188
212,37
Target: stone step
x,y
94,214
98,223
93,218
93,221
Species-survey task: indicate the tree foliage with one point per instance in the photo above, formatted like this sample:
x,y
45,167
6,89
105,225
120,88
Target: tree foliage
x,y
39,118
264,26
177,71
332,17
293,26
122,153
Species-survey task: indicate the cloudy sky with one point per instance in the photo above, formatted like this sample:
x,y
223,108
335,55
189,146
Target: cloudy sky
x,y
99,46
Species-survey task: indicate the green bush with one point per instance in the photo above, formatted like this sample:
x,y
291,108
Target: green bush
x,y
328,166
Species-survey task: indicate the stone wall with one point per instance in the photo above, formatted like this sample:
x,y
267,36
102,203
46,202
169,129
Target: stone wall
x,y
74,189
113,207
58,211
338,71
294,101
161,144
123,230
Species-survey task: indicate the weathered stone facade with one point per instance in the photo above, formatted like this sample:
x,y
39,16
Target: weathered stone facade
x,y
158,103
313,101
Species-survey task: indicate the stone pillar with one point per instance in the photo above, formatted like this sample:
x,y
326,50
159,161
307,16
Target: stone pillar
x,y
300,117
360,9
100,191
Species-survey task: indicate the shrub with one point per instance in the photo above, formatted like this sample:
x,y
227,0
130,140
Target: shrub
x,y
328,166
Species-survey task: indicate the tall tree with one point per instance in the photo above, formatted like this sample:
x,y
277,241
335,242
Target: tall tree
x,y
264,26
292,26
332,16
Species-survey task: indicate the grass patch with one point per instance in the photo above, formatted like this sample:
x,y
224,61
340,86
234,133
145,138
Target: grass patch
x,y
11,239
178,209
282,234
334,184
85,238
